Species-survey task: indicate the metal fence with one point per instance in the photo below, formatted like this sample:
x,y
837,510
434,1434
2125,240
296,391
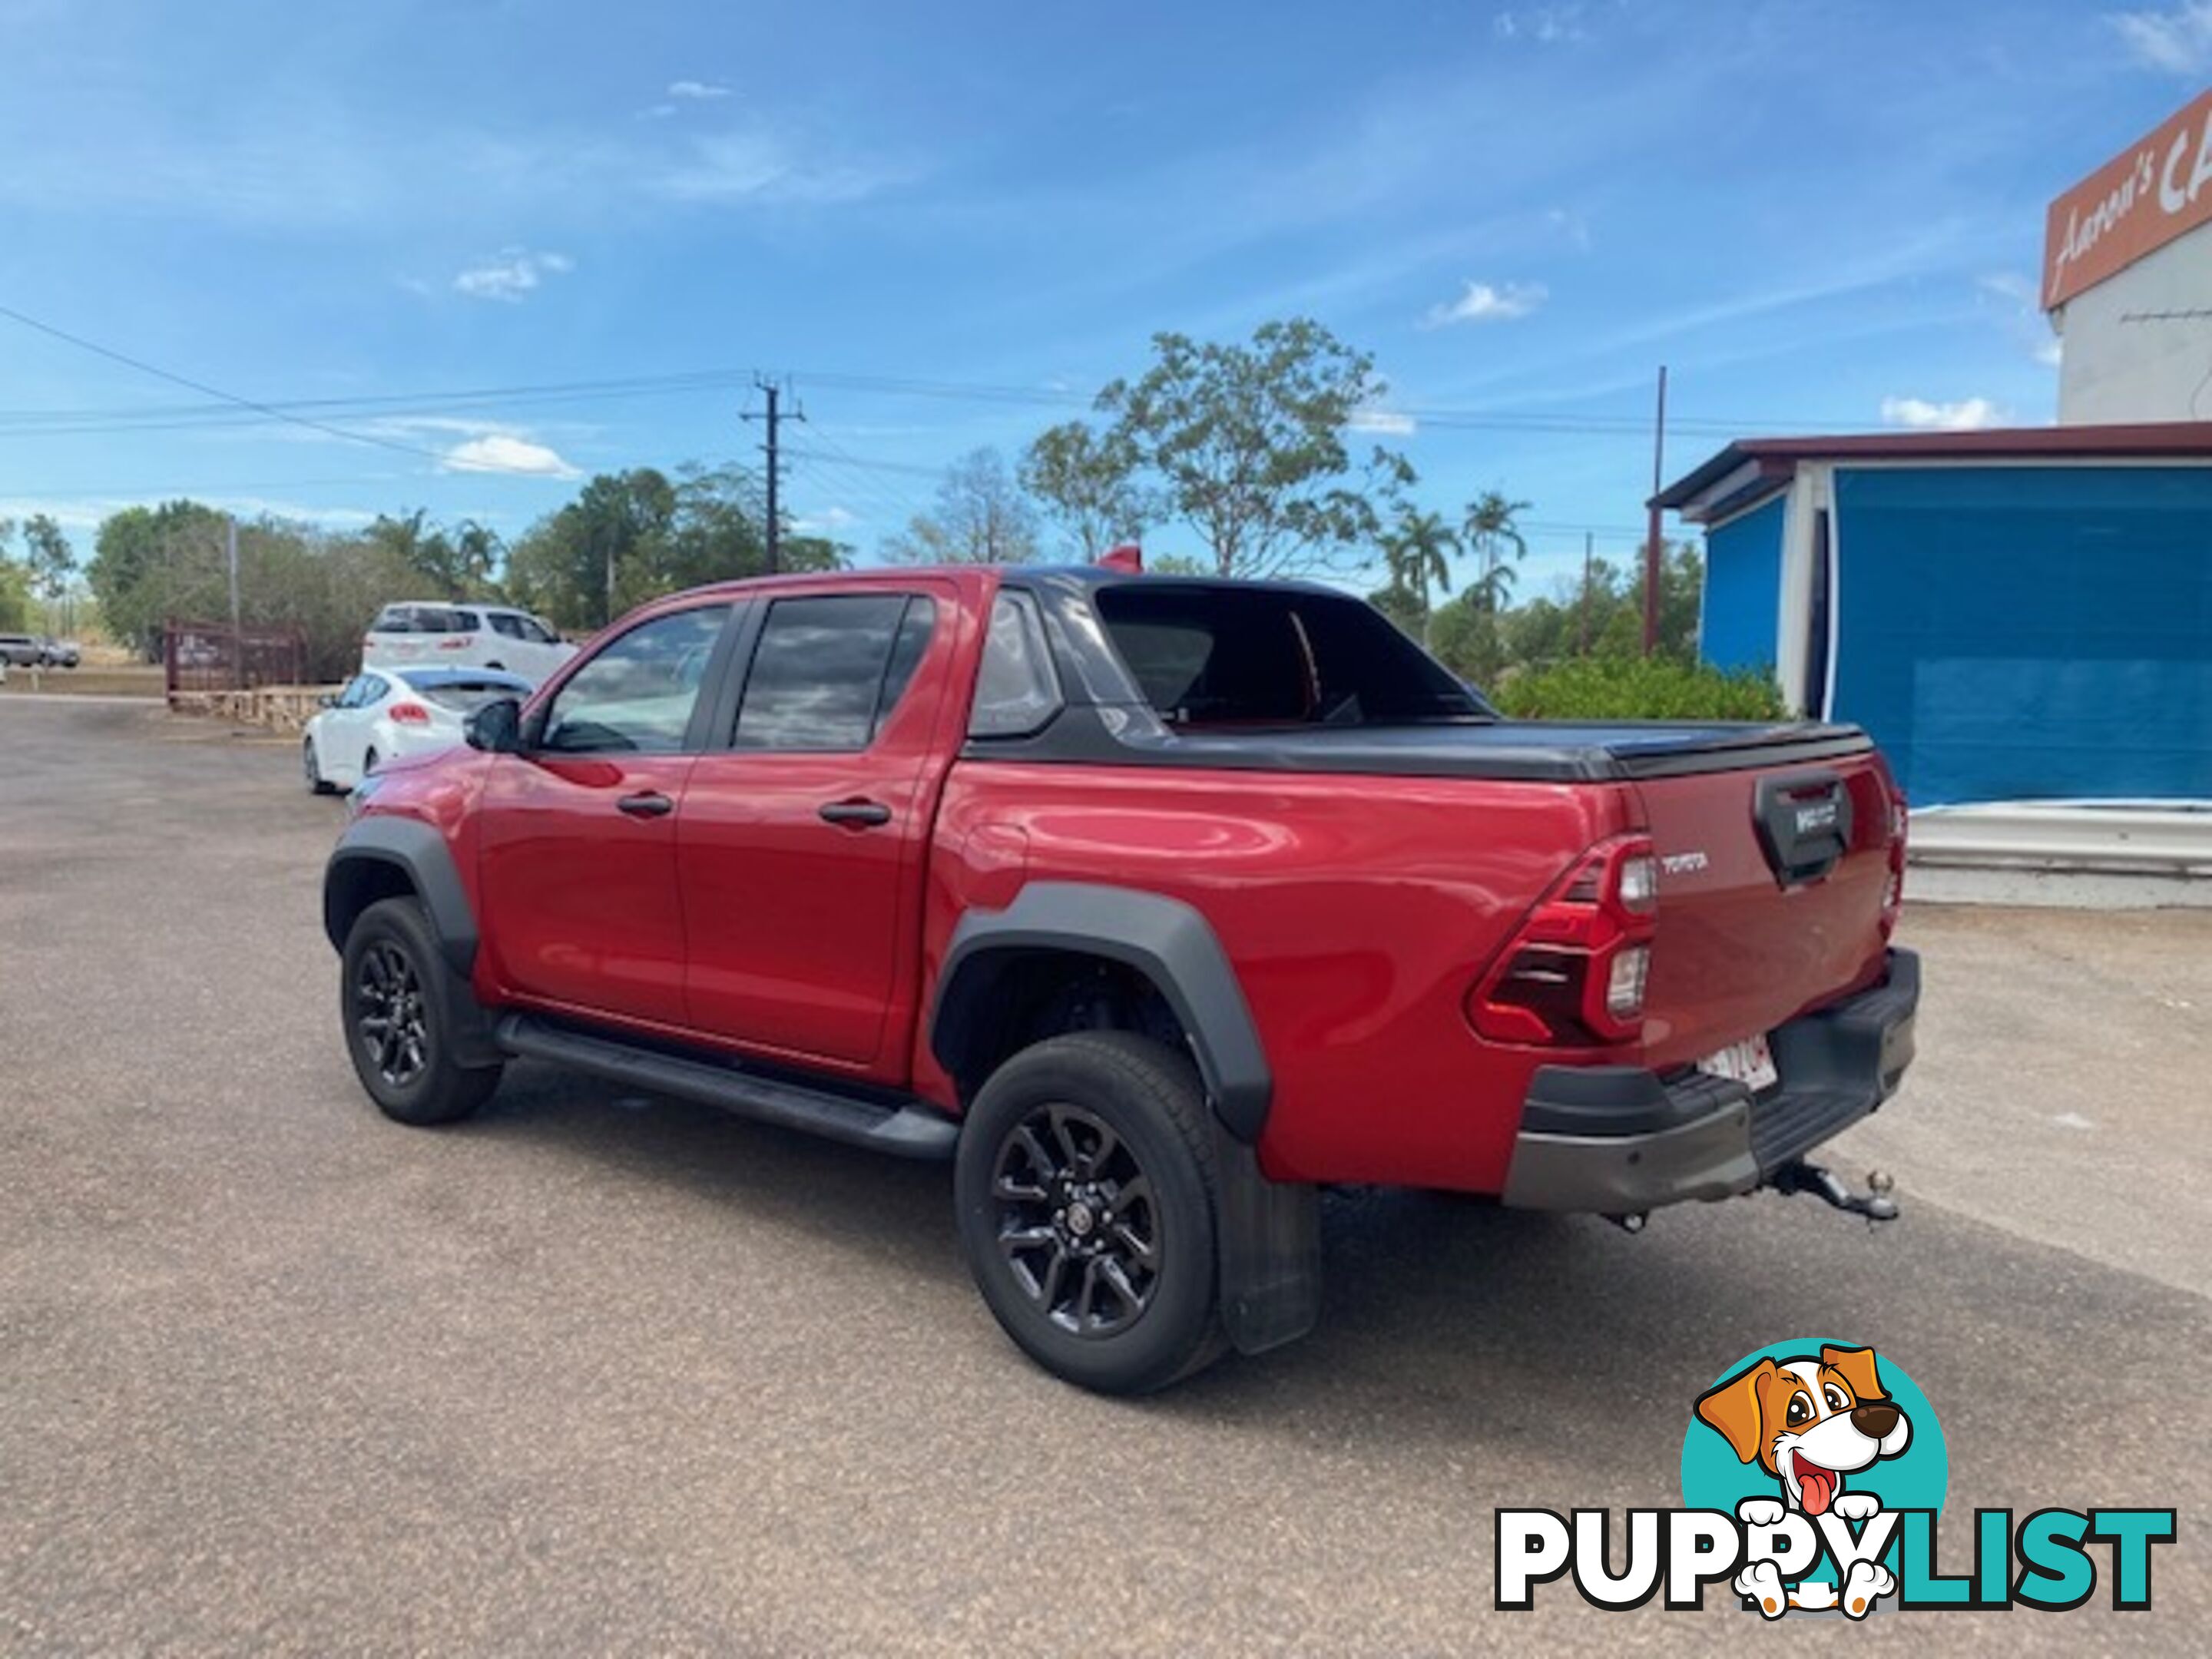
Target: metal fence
x,y
198,657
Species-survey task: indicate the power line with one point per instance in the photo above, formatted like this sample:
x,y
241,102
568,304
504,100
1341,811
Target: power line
x,y
207,391
88,422
393,406
871,490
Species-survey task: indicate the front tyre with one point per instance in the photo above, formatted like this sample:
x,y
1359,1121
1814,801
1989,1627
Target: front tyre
x,y
1084,1188
393,999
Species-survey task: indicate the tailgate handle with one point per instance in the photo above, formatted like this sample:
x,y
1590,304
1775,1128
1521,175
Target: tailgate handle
x,y
1804,821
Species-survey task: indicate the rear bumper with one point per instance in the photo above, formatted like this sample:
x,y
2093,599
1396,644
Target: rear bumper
x,y
1619,1140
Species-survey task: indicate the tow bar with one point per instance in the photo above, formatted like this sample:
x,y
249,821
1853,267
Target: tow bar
x,y
1874,1204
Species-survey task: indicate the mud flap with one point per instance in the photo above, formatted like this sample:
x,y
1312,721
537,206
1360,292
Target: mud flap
x,y
1269,1250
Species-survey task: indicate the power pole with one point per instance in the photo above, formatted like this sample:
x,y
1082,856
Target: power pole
x,y
1651,537
610,572
1588,542
237,641
774,418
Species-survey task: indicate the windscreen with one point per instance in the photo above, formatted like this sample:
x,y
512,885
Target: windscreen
x,y
1260,656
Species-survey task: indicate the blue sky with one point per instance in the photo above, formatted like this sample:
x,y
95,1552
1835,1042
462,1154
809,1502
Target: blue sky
x,y
1818,215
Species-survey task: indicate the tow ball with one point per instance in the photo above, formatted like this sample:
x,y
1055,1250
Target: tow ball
x,y
1874,1204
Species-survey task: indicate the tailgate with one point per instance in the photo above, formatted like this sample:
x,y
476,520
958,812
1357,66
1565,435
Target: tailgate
x,y
1773,880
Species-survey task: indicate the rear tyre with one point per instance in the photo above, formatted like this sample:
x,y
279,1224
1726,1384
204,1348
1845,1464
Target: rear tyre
x,y
1085,1193
393,997
312,765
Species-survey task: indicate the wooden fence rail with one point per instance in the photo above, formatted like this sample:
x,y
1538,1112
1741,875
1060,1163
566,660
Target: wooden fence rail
x,y
280,708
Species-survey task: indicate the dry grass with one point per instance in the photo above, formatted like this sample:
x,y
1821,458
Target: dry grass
x,y
125,679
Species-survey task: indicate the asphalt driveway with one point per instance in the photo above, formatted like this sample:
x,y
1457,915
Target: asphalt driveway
x,y
597,1373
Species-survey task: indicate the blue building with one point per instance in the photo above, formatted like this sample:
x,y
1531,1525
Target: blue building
x,y
2020,615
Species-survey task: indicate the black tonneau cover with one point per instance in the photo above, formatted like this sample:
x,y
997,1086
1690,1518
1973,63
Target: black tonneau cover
x,y
1536,752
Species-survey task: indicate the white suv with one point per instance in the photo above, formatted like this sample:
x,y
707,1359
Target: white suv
x,y
432,634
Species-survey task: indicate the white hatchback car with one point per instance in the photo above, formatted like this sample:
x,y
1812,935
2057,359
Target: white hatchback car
x,y
385,712
431,633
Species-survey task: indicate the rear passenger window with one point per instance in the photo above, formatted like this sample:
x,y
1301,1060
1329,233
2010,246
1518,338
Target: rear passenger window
x,y
393,619
828,671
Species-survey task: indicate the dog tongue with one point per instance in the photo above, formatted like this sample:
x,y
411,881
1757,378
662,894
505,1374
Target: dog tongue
x,y
1817,1485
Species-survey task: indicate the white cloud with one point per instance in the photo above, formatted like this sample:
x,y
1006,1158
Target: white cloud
x,y
2179,40
1485,302
503,452
829,521
697,89
1966,415
753,166
1573,226
515,272
1390,422
1547,26
2023,302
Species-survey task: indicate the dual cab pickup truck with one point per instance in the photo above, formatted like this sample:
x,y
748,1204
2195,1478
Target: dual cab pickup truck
x,y
1153,904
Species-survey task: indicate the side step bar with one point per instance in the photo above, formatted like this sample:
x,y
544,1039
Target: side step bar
x,y
914,1130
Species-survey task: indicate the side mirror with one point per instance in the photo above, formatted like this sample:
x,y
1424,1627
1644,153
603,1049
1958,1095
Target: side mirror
x,y
495,727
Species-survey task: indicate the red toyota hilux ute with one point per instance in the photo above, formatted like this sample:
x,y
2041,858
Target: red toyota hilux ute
x,y
1152,904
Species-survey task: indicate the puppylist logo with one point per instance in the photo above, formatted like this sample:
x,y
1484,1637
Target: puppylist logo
x,y
1813,1472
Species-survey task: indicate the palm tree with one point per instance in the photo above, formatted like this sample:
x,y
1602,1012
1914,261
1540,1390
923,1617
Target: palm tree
x,y
1491,532
1418,551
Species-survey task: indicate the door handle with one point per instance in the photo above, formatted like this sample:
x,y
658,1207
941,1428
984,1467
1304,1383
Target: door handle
x,y
858,814
651,804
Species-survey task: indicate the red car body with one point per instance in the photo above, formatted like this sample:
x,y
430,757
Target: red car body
x,y
1359,913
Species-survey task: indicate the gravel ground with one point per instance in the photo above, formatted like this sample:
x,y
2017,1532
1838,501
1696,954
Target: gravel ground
x,y
601,1374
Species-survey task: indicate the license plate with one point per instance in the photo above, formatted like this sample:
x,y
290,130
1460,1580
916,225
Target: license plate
x,y
1750,1061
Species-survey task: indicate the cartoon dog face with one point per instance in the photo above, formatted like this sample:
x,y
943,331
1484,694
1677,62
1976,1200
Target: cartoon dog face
x,y
1808,1422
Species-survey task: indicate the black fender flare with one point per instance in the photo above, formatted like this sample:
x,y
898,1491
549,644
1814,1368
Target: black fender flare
x,y
1163,939
420,853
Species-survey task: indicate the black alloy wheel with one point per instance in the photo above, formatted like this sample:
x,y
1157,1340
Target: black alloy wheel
x,y
1077,1223
390,1020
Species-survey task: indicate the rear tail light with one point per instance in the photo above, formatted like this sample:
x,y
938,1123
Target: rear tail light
x,y
1575,973
1893,895
408,714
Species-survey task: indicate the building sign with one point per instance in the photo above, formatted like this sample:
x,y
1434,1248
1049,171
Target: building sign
x,y
2135,203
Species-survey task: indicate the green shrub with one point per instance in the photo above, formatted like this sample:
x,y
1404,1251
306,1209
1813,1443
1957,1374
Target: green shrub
x,y
1640,688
